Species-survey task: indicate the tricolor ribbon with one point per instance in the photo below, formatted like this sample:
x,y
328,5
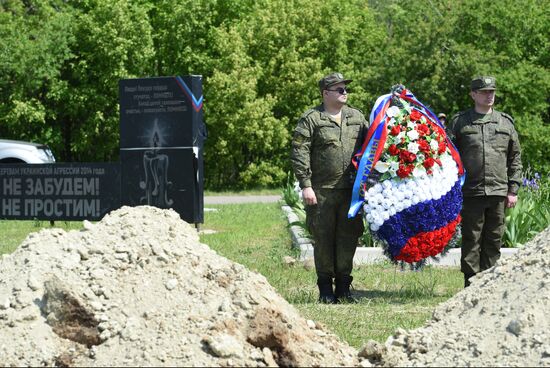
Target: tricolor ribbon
x,y
370,152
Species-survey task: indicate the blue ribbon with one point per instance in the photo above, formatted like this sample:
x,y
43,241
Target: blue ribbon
x,y
367,159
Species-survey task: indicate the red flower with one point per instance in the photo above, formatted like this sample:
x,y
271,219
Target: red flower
x,y
424,146
442,147
438,162
423,129
393,150
395,130
428,162
415,115
407,156
404,171
427,244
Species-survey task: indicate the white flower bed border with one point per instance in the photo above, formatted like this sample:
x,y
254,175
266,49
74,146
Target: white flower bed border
x,y
368,255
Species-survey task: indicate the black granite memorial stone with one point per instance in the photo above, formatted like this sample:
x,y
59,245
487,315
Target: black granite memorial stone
x,y
161,144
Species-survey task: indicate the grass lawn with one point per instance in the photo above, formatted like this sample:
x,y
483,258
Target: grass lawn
x,y
13,232
249,192
256,235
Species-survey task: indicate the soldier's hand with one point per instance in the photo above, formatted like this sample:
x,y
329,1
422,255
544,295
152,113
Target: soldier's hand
x,y
309,196
511,200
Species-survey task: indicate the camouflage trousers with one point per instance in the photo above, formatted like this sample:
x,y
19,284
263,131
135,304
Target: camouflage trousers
x,y
336,237
482,230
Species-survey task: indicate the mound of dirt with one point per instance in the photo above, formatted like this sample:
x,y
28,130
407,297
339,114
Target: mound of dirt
x,y
502,319
138,288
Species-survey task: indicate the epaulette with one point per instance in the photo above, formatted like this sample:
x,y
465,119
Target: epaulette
x,y
508,117
460,113
355,108
307,113
457,116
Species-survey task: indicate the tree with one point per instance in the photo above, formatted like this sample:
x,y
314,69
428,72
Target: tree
x,y
112,41
36,38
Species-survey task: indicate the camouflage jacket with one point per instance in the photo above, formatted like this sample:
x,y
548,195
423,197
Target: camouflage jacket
x,y
490,151
322,149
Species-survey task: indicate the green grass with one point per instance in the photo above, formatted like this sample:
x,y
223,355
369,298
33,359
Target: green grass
x,y
259,191
14,232
256,236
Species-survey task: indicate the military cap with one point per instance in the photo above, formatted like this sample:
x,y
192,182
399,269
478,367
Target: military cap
x,y
484,82
332,79
441,115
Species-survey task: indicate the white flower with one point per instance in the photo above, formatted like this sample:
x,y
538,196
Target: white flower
x,y
400,136
392,111
387,184
400,196
413,135
371,201
391,123
434,145
411,125
377,188
419,171
412,147
381,166
374,227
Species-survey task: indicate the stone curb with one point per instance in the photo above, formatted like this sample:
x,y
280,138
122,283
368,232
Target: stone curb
x,y
369,255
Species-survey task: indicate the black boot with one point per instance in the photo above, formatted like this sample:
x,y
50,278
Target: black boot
x,y
326,295
342,292
467,277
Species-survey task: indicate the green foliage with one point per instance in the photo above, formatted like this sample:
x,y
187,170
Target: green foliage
x,y
61,61
531,214
291,197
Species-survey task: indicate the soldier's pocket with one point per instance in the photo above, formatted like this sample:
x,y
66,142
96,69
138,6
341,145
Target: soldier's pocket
x,y
312,217
328,133
502,139
353,129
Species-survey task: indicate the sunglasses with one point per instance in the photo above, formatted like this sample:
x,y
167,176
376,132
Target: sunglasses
x,y
340,90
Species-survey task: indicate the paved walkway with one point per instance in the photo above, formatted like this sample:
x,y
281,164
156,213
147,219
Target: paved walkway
x,y
241,199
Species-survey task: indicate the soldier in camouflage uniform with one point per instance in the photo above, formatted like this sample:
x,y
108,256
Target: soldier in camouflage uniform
x,y
490,151
323,144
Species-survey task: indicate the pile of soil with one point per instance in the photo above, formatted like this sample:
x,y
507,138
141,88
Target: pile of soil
x,y
138,288
502,319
